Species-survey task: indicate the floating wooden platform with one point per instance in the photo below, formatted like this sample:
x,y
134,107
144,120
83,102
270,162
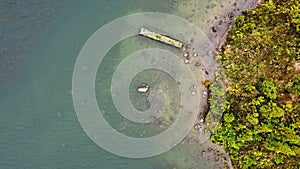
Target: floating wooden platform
x,y
161,38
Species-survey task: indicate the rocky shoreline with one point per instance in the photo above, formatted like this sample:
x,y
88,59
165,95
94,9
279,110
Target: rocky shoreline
x,y
218,36
216,152
221,27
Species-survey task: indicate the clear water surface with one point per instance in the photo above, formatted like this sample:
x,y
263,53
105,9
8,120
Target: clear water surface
x,y
40,41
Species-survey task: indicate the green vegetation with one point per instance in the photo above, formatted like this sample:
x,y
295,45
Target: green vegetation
x,y
261,125
158,37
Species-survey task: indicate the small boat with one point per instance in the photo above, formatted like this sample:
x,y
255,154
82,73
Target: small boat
x,y
143,88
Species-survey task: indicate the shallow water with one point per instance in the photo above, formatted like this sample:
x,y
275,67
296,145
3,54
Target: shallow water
x,y
40,41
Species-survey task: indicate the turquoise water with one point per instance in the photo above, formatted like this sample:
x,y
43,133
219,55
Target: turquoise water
x,y
38,124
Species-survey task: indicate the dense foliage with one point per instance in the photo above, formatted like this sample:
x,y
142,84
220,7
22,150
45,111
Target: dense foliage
x,y
261,127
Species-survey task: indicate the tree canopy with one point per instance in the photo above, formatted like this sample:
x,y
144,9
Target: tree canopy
x,y
261,127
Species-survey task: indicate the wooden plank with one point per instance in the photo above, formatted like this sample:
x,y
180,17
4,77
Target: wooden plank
x,y
161,38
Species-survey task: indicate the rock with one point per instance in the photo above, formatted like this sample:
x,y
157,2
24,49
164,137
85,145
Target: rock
x,y
197,64
197,126
186,61
214,29
230,15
